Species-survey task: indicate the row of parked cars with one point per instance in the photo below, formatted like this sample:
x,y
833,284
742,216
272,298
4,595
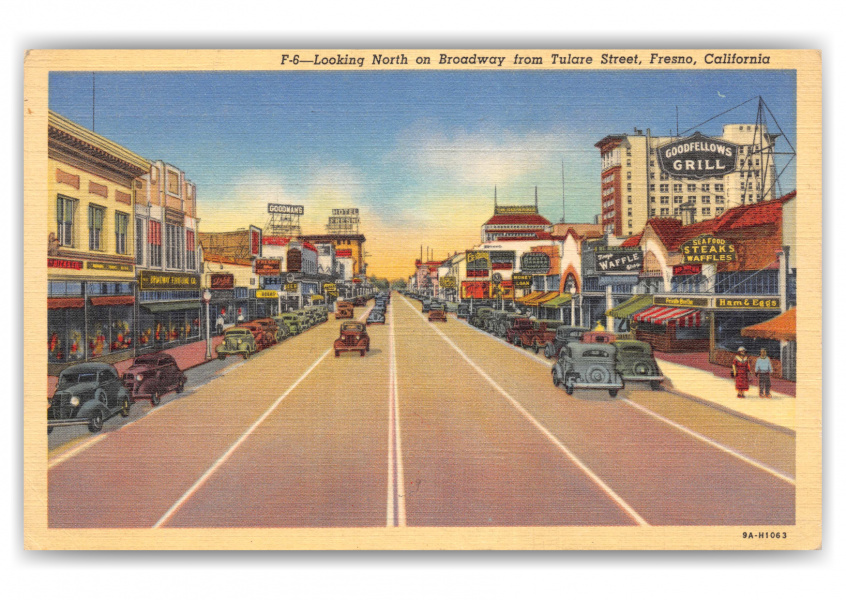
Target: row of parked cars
x,y
91,393
583,359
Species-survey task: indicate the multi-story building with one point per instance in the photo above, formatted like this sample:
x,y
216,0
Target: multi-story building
x,y
91,245
167,257
229,273
635,189
348,245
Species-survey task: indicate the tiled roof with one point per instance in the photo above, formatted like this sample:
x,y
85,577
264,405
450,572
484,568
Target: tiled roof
x,y
632,241
530,220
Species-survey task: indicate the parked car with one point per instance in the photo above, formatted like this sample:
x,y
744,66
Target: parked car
x,y
463,311
521,324
343,310
359,301
265,338
88,393
563,335
598,337
635,362
282,327
292,320
306,319
353,338
543,333
237,340
451,307
481,316
504,322
427,304
437,313
587,366
152,376
270,326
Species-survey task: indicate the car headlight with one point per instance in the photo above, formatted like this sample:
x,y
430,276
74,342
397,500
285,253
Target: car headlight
x,y
139,378
74,401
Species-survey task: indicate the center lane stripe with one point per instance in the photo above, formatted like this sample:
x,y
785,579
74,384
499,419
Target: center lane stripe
x,y
220,461
519,407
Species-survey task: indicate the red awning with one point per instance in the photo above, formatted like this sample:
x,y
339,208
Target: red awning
x,y
65,303
112,300
661,315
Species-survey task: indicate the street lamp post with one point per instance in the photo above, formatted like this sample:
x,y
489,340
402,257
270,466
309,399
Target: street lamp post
x,y
207,300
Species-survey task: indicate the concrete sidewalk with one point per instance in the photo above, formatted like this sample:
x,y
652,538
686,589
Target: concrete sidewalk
x,y
719,391
187,356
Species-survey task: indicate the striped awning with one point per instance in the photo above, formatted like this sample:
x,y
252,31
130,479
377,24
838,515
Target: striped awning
x,y
529,297
661,315
544,297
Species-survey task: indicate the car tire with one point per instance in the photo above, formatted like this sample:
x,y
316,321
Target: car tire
x,y
568,387
155,400
655,385
556,381
612,393
95,422
536,347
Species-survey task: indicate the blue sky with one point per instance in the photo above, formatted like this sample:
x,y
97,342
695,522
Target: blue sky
x,y
418,152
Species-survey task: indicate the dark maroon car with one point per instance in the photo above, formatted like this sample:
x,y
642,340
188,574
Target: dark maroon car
x,y
152,376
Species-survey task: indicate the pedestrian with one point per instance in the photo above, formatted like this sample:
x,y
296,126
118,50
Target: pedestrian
x,y
740,372
763,369
219,324
240,318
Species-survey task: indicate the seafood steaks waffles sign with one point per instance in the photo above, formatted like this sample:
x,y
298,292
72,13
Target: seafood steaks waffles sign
x,y
697,157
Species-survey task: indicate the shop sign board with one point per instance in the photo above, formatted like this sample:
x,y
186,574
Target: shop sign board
x,y
617,259
356,280
291,287
448,283
268,266
707,249
61,263
343,212
689,269
267,294
330,288
697,157
746,303
285,209
534,262
520,280
477,260
343,253
680,301
222,281
502,260
158,280
106,266
531,209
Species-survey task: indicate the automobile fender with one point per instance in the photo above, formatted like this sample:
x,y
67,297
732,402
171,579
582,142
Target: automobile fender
x,y
558,371
96,403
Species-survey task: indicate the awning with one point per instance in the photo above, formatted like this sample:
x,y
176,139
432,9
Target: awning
x,y
538,300
626,309
159,307
112,300
661,315
65,302
558,301
529,297
782,327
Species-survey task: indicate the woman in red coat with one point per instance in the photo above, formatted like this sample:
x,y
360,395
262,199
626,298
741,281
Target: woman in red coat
x,y
740,371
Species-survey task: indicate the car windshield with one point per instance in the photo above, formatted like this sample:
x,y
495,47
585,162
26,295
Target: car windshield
x,y
236,332
77,378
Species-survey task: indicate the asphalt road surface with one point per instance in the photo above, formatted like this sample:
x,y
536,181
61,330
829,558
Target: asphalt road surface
x,y
440,424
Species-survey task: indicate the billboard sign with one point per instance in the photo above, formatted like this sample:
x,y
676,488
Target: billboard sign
x,y
448,283
222,281
707,249
534,262
616,259
268,266
521,280
516,210
697,157
345,212
285,209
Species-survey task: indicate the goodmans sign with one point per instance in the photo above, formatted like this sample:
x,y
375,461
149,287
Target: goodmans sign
x,y
697,157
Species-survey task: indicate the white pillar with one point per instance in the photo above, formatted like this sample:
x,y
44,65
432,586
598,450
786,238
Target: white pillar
x,y
609,304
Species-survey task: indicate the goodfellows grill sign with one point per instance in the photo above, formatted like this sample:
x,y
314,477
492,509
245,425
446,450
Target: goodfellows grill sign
x,y
697,157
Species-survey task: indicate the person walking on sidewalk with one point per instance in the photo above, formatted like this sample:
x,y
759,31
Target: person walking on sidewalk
x,y
220,323
763,369
740,372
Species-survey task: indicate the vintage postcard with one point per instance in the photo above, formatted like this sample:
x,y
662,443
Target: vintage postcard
x,y
423,299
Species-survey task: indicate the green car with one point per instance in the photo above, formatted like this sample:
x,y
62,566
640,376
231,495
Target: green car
x,y
292,322
237,340
283,331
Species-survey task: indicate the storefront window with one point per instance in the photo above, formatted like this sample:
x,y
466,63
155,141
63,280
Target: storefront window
x,y
109,329
65,335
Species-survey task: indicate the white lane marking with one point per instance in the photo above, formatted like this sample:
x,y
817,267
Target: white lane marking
x,y
56,461
390,520
548,434
504,343
714,443
399,489
669,422
219,462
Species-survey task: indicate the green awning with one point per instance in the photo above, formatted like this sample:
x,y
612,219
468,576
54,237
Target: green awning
x,y
630,306
159,307
558,301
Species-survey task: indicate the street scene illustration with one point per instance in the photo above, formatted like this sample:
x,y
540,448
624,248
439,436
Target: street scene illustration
x,y
421,299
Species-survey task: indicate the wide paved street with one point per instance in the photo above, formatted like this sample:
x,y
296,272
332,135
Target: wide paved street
x,y
440,424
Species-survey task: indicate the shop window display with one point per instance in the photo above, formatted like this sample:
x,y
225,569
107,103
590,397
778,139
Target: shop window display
x,y
65,335
109,330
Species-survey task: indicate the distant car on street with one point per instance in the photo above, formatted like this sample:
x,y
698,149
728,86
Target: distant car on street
x,y
292,320
152,376
563,335
343,310
427,304
636,363
237,340
376,317
88,393
587,366
353,338
437,313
